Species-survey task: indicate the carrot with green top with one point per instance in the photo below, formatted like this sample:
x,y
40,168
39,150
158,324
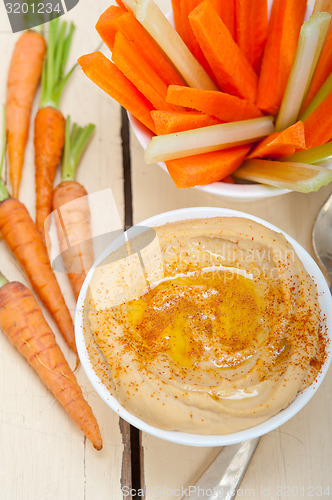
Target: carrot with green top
x,y
71,210
23,79
22,321
251,29
231,69
115,19
109,78
225,107
284,27
279,144
49,122
24,240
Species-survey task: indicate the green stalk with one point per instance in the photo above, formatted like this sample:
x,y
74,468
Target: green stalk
x,y
76,140
54,77
3,280
319,154
3,190
323,92
309,47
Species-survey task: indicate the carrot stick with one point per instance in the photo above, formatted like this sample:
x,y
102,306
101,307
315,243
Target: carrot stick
x,y
110,79
225,107
230,67
206,168
72,212
284,28
24,240
251,28
318,125
169,122
49,122
322,72
279,144
22,321
131,63
176,8
226,10
23,79
115,19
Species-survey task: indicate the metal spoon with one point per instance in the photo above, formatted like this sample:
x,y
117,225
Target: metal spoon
x,y
322,237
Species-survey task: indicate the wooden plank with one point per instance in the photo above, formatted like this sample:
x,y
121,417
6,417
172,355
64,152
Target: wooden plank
x,y
43,455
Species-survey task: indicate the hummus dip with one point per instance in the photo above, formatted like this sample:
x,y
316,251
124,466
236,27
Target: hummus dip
x,y
211,327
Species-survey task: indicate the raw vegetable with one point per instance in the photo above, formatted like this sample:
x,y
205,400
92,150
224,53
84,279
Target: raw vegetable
x,y
176,8
251,28
323,6
168,122
310,44
206,168
115,19
225,107
23,79
110,79
323,92
72,212
50,123
322,72
154,21
299,177
284,28
131,63
22,321
280,144
319,154
206,139
226,10
318,125
228,63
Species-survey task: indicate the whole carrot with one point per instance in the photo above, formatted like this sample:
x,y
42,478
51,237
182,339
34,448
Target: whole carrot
x,y
72,212
22,321
49,122
23,78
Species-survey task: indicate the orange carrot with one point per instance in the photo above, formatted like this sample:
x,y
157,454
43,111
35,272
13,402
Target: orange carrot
x,y
323,70
110,79
23,79
318,125
131,63
22,321
24,240
226,10
251,28
229,180
176,8
284,28
206,168
49,121
230,67
279,144
169,122
115,19
225,107
72,212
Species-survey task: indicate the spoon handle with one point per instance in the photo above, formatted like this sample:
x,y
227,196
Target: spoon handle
x,y
222,478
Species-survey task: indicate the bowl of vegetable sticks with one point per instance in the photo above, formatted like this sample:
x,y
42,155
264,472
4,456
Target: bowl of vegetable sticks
x,y
95,366
233,99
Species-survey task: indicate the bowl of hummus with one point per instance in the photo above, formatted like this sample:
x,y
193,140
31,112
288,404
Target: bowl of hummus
x,y
205,326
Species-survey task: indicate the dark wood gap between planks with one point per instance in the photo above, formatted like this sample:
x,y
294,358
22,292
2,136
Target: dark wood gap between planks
x,y
132,461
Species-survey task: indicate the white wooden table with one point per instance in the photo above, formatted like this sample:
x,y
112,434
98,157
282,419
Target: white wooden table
x,y
42,454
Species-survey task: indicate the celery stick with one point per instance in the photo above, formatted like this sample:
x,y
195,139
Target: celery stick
x,y
295,176
309,47
150,16
323,92
323,6
206,139
315,155
130,4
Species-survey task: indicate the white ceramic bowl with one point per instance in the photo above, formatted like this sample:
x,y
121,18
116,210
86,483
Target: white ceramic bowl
x,y
301,399
237,192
